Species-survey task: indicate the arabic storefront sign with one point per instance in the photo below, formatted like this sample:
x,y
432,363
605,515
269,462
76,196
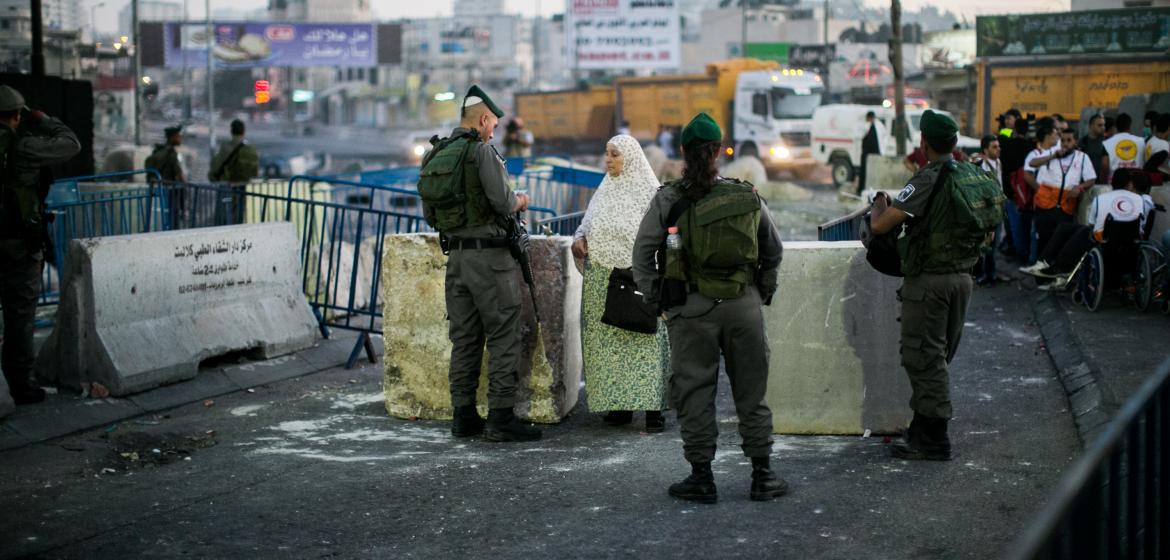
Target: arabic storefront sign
x,y
620,34
1135,30
263,44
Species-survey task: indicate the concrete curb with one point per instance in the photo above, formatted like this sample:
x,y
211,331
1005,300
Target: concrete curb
x,y
61,415
1090,401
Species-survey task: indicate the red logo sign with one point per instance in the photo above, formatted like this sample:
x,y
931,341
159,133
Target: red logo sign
x,y
280,33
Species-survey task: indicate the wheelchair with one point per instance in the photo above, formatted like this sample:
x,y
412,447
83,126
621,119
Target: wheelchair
x,y
1125,264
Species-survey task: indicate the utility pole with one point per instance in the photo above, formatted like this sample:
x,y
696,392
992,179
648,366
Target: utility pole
x,y
38,40
899,79
186,71
743,28
137,72
828,60
210,78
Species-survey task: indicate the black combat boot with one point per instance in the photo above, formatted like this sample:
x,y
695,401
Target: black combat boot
x,y
502,425
765,484
466,422
655,422
929,442
699,487
619,417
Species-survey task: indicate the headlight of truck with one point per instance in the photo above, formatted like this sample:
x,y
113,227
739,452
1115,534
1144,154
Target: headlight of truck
x,y
780,152
419,150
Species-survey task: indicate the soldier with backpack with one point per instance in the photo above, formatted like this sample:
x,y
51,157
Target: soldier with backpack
x,y
950,210
466,196
708,254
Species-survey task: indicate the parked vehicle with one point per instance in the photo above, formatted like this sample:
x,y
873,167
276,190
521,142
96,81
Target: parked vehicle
x,y
837,131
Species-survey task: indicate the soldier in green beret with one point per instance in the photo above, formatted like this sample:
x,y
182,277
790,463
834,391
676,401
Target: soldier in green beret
x,y
711,282
166,159
28,143
466,196
937,252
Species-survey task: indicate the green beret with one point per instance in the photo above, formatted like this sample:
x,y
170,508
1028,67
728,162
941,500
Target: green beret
x,y
475,96
10,99
702,128
938,127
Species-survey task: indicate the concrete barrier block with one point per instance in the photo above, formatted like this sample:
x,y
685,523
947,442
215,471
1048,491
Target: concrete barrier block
x,y
886,173
7,406
833,333
415,331
140,311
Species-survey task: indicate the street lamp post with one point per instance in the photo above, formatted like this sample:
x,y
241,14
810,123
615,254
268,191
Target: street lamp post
x,y
210,43
93,21
137,72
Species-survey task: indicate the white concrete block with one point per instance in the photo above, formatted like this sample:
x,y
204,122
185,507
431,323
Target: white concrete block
x,y
833,333
139,311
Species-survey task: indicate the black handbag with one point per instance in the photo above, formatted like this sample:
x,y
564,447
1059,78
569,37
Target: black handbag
x,y
624,307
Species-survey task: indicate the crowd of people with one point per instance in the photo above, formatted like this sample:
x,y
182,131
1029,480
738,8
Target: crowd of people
x,y
1046,170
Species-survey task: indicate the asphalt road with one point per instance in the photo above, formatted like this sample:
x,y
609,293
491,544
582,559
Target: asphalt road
x,y
312,467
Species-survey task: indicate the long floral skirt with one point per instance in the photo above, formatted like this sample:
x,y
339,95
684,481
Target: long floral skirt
x,y
624,370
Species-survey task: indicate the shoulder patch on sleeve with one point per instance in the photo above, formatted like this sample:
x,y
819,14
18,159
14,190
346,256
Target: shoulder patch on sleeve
x,y
906,193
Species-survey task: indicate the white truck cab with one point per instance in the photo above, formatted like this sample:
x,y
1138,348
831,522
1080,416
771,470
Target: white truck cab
x,y
772,117
837,132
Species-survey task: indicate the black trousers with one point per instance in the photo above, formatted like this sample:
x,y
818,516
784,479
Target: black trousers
x,y
20,286
1067,245
1046,223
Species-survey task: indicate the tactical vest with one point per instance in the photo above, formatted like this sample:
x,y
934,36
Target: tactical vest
x,y
453,196
720,240
964,207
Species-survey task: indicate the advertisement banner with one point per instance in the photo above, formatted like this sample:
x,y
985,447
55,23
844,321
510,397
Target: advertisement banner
x,y
1134,30
623,34
266,44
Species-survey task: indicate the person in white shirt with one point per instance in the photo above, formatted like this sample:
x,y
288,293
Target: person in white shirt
x,y
1124,149
1159,142
988,160
1047,144
1071,241
1061,180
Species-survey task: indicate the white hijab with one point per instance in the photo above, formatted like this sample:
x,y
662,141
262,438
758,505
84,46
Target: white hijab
x,y
618,206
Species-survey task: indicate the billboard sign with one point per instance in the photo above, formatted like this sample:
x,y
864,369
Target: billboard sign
x,y
623,34
1133,30
266,44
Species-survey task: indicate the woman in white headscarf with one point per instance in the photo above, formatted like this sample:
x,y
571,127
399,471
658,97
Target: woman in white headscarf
x,y
624,370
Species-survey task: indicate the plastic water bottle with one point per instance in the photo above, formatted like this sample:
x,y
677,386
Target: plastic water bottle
x,y
673,239
675,267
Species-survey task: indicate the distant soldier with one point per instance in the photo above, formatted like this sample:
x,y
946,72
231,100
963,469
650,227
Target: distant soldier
x,y
944,236
723,268
519,140
26,147
166,159
236,163
169,163
466,196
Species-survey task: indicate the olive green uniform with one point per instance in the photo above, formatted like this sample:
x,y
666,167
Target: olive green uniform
x,y
483,293
236,163
21,257
934,304
165,159
703,329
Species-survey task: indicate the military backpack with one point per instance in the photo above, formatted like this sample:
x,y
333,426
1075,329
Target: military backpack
x,y
452,194
720,240
965,206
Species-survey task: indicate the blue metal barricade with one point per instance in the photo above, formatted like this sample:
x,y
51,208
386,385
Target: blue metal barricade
x,y
845,228
566,224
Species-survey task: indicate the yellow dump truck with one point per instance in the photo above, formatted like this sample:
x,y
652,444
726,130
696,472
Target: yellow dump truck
x,y
764,110
1066,86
